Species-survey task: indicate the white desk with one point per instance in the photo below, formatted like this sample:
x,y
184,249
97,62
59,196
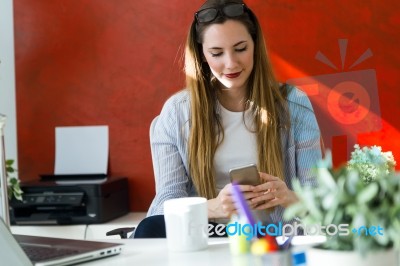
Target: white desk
x,y
155,252
98,231
88,232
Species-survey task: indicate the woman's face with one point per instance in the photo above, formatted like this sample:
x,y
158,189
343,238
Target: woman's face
x,y
228,49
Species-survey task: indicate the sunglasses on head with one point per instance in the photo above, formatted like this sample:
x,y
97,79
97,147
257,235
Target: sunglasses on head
x,y
229,10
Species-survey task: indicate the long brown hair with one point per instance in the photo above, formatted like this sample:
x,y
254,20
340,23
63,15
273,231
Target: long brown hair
x,y
265,98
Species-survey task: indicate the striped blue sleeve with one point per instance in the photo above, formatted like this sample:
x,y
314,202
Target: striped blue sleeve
x,y
306,135
167,150
302,148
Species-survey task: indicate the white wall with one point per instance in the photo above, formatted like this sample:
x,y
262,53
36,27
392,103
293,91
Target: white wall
x,y
7,77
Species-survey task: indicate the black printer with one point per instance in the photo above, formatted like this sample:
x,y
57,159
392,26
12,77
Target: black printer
x,y
49,202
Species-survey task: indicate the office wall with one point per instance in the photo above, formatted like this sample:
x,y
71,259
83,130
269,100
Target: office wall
x,y
96,62
7,77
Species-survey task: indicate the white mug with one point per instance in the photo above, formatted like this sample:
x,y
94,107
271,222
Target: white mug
x,y
186,223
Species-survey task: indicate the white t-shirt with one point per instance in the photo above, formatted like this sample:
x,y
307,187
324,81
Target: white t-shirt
x,y
239,146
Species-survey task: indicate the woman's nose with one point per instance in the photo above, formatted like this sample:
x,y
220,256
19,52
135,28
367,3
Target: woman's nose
x,y
231,61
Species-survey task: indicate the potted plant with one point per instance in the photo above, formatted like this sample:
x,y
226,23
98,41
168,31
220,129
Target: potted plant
x,y
14,189
362,199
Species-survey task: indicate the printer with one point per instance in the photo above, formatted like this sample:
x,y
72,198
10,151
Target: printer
x,y
50,202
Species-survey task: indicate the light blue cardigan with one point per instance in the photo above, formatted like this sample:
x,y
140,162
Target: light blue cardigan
x,y
169,134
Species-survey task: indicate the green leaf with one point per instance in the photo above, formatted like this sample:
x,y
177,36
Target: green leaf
x,y
368,193
293,210
315,211
329,201
325,177
14,189
10,169
359,220
351,184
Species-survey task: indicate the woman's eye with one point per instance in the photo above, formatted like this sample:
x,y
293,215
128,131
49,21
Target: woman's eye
x,y
216,54
241,49
237,50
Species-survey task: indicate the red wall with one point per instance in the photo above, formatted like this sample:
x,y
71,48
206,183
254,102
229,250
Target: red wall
x,y
101,62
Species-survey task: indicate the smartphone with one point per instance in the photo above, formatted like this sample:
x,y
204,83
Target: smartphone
x,y
245,175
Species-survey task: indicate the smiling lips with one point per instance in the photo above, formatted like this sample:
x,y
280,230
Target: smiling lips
x,y
233,75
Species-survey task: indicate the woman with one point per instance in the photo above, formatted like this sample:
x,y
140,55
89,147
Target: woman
x,y
232,113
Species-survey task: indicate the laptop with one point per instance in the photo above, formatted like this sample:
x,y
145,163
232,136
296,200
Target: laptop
x,y
34,250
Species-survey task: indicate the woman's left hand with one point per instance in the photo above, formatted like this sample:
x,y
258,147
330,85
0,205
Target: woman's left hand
x,y
272,193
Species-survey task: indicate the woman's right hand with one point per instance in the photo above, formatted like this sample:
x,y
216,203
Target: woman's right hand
x,y
223,205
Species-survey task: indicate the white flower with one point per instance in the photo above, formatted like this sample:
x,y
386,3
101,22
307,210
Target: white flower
x,y
370,162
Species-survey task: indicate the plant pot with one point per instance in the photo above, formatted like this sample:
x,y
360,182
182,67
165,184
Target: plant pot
x,y
317,257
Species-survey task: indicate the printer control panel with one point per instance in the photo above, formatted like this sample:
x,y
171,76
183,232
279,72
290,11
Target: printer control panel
x,y
67,198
